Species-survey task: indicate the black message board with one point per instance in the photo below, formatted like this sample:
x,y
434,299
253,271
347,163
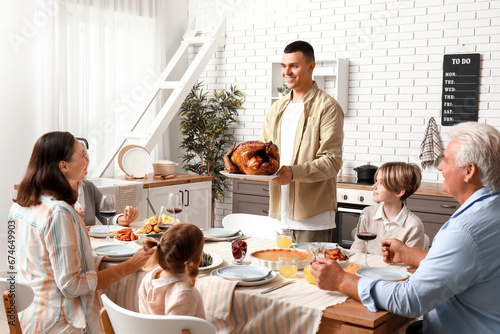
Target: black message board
x,y
460,88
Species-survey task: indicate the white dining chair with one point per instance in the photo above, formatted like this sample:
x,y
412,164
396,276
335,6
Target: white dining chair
x,y
116,319
252,225
16,297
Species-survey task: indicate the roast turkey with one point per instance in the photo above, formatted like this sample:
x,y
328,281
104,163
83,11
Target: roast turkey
x,y
252,158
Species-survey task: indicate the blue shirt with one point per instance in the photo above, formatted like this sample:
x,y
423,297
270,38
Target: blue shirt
x,y
457,285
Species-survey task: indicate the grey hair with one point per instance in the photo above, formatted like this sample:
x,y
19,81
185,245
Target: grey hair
x,y
480,145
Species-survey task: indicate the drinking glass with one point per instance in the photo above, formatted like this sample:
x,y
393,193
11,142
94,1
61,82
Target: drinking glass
x,y
174,205
107,209
162,218
364,232
284,238
239,250
288,264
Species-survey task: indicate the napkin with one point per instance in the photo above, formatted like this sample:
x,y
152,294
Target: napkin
x,y
430,149
218,297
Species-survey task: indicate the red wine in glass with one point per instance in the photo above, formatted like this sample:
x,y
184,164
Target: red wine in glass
x,y
107,213
175,210
367,236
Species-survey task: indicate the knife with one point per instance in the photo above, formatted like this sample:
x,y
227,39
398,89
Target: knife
x,y
277,286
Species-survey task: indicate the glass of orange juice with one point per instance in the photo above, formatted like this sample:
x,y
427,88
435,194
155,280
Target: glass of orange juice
x,y
288,264
284,238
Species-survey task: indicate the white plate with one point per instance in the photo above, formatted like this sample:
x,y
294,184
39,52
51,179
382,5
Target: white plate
x,y
116,250
328,245
219,233
236,236
135,160
248,177
101,231
272,275
382,273
216,261
243,273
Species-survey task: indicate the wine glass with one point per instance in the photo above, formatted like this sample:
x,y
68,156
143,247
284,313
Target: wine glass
x,y
162,225
174,205
365,233
107,209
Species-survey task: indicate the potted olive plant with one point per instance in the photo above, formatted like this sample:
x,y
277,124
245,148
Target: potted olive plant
x,y
205,125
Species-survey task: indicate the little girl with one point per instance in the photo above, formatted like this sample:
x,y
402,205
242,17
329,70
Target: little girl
x,y
169,287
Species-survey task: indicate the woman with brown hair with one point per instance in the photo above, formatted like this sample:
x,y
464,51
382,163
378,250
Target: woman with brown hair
x,y
54,255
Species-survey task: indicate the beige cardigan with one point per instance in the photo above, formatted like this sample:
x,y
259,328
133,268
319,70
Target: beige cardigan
x,y
317,156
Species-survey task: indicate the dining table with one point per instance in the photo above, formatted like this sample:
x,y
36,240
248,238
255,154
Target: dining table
x,y
239,307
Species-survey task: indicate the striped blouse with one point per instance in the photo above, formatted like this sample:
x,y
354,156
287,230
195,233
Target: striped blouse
x,y
54,257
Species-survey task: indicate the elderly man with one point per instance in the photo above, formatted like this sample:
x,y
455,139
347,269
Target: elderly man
x,y
457,282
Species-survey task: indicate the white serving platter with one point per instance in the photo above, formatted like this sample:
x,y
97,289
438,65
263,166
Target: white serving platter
x,y
248,177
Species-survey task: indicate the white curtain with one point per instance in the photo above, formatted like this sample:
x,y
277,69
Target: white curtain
x,y
98,59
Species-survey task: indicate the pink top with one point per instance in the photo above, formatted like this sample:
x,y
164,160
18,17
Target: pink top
x,y
170,295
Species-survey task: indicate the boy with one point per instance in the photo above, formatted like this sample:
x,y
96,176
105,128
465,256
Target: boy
x,y
394,183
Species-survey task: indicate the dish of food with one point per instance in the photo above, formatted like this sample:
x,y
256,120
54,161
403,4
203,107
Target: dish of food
x,y
272,275
328,245
269,257
125,235
248,177
216,261
252,158
385,274
151,227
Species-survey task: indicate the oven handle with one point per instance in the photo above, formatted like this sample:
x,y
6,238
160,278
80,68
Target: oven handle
x,y
340,209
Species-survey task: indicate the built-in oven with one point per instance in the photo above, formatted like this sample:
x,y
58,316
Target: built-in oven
x,y
350,203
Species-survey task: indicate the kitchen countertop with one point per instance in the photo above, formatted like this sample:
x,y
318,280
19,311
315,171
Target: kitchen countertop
x,y
150,182
426,188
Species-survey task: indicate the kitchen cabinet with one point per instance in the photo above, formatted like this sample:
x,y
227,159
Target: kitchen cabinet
x,y
331,75
196,201
251,197
434,211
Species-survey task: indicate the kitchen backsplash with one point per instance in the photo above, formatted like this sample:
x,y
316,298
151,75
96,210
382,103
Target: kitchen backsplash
x,y
395,49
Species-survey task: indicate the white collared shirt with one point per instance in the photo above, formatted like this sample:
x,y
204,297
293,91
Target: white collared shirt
x,y
389,225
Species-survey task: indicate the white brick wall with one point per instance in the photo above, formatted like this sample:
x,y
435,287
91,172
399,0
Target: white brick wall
x,y
395,50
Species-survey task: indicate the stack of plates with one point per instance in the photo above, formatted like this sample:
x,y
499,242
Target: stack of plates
x,y
221,234
116,252
135,161
246,275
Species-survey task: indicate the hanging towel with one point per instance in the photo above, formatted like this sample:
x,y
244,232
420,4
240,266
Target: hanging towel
x,y
430,149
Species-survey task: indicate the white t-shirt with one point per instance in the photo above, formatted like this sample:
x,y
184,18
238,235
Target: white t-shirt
x,y
289,123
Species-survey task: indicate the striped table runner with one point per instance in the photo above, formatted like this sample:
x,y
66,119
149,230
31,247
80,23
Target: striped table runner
x,y
295,308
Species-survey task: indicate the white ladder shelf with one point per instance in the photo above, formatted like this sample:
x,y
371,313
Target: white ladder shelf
x,y
180,89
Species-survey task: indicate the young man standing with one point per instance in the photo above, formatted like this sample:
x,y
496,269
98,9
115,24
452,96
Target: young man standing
x,y
307,125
